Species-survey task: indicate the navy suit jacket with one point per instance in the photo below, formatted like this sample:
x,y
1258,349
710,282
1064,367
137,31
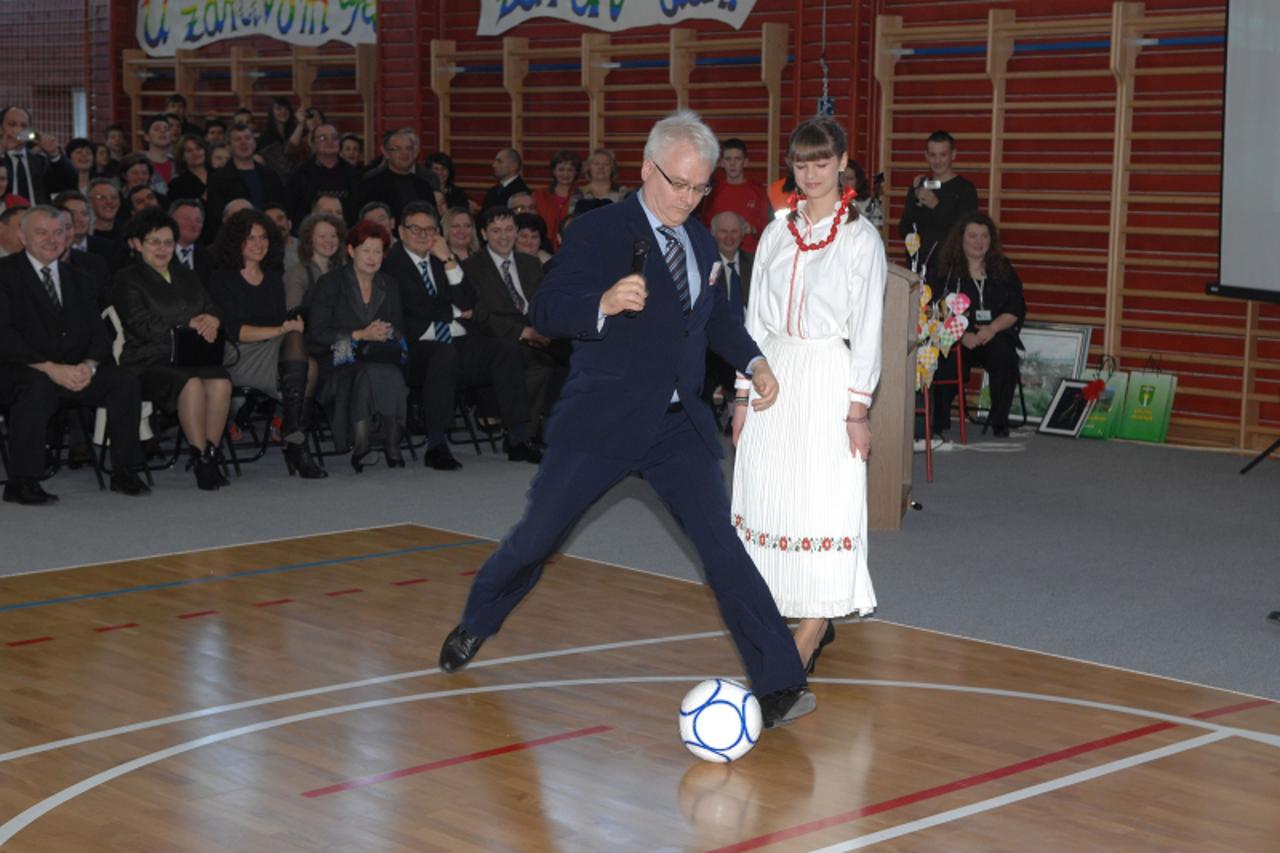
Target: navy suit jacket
x,y
621,378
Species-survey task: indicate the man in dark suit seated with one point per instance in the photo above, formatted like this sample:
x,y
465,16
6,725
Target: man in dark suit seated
x,y
728,229
436,299
54,347
323,172
396,182
189,213
242,177
506,169
631,405
505,282
94,271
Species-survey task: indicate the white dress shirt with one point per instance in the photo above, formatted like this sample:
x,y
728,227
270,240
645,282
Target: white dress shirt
x,y
53,272
515,274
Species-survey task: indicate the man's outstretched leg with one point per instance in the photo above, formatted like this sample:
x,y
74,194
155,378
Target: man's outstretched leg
x,y
566,485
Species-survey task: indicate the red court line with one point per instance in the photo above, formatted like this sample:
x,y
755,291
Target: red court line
x,y
351,591
195,614
468,574
450,762
410,581
31,642
970,781
106,628
274,603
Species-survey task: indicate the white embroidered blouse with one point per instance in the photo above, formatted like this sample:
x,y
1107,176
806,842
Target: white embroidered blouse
x,y
836,291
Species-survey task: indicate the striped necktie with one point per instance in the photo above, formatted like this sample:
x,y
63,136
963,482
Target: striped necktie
x,y
678,265
511,286
21,173
52,289
443,333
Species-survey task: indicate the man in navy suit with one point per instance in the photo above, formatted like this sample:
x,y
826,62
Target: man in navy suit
x,y
631,405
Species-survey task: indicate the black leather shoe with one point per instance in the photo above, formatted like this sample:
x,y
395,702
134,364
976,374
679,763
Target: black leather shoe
x,y
827,637
27,492
458,649
783,707
524,452
440,458
1274,617
1000,431
128,483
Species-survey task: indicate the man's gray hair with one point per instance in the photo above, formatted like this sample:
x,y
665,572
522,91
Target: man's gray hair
x,y
726,214
682,126
40,210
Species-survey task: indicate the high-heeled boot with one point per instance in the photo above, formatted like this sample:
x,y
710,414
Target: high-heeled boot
x,y
293,391
214,458
360,453
206,474
392,444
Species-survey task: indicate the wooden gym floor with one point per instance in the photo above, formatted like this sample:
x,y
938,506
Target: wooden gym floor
x,y
283,696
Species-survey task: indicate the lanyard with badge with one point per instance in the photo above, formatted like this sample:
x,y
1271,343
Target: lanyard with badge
x,y
983,313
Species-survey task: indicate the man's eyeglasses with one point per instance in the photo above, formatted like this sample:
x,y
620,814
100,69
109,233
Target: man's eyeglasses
x,y
421,230
683,186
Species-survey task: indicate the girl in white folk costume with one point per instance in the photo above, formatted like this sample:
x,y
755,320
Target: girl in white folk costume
x,y
800,479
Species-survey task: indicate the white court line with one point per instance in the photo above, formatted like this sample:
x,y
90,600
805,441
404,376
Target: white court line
x,y
335,688
1023,794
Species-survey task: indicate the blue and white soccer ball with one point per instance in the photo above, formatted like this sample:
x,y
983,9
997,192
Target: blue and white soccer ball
x,y
720,720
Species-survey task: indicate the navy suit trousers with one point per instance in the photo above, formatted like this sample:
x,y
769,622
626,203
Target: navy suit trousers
x,y
687,477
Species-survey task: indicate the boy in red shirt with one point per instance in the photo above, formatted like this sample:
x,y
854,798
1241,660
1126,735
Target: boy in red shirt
x,y
736,193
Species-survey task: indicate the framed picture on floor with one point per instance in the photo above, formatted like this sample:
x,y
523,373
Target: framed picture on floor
x,y
1068,410
1050,353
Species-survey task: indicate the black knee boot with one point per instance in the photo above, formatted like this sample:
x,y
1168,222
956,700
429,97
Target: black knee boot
x,y
293,396
391,431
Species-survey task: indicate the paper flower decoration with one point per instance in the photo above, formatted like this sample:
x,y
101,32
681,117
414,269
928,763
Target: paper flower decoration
x,y
913,243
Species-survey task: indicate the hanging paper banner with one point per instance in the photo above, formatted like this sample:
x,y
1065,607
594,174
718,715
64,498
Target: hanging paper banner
x,y
498,16
167,26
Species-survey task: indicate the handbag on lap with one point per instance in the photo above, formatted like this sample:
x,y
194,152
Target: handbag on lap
x,y
187,348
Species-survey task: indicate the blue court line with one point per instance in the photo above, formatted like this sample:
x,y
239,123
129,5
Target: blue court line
x,y
292,567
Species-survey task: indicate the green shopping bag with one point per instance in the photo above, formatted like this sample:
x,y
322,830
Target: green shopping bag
x,y
1148,402
1105,417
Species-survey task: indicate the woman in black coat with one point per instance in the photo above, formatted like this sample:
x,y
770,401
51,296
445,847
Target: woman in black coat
x,y
152,296
356,323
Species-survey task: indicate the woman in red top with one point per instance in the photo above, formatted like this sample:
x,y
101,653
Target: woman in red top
x,y
553,204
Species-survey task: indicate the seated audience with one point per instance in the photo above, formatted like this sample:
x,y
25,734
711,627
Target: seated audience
x,y
379,213
117,142
176,106
555,202
320,249
266,349
8,199
936,201
522,202
602,179
54,348
352,150
192,178
460,232
328,203
93,265
441,165
278,215
971,263
153,296
11,231
104,198
531,236
138,199
189,214
157,138
728,230
244,177
81,154
507,164
219,155
356,322
396,182
274,142
504,282
136,172
323,172
215,132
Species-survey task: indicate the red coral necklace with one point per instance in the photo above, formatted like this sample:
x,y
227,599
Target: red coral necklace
x,y
794,202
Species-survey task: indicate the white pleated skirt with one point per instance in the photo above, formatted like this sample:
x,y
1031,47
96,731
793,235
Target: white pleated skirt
x,y
799,495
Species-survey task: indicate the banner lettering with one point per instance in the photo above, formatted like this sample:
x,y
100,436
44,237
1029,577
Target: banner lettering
x,y
167,26
498,16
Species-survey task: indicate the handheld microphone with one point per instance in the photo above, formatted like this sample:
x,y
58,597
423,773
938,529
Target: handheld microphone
x,y
639,255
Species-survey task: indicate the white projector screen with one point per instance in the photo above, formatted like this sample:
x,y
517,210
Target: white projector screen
x,y
1251,130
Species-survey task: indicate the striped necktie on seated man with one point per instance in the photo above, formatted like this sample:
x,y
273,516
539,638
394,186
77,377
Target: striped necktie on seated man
x,y
443,333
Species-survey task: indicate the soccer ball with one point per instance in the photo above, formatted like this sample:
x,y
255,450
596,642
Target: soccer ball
x,y
720,720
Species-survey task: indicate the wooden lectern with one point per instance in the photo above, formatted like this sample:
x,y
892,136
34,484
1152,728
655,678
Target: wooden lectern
x,y
893,415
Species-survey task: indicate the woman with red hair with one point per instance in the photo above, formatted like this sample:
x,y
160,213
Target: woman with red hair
x,y
356,326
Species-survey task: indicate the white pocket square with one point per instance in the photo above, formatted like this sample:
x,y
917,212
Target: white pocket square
x,y
715,274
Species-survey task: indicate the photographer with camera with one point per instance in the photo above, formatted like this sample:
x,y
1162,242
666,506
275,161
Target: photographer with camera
x,y
37,169
936,201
